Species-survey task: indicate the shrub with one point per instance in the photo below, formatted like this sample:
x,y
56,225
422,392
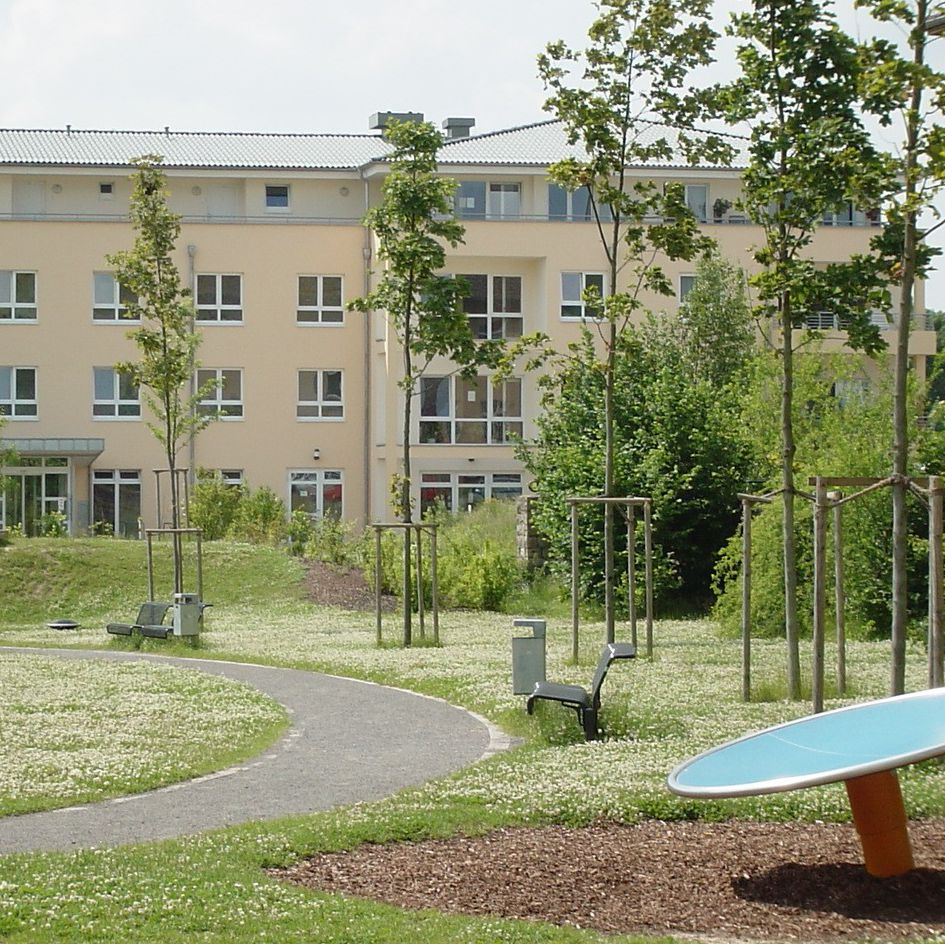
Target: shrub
x,y
54,524
213,504
330,540
259,518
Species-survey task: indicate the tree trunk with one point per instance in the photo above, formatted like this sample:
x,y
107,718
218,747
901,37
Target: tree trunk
x,y
787,484
609,616
900,529
405,496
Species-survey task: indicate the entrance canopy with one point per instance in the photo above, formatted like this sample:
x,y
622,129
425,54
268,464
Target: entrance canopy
x,y
81,451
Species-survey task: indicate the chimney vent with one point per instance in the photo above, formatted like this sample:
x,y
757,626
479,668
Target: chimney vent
x,y
380,119
457,127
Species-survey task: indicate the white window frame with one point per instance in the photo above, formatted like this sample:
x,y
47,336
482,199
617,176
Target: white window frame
x,y
115,311
683,290
278,207
579,302
704,218
28,311
455,481
319,479
215,313
116,478
325,409
232,477
17,408
320,314
495,321
499,426
116,402
497,203
216,404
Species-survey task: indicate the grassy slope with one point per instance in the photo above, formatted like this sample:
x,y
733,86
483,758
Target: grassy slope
x,y
210,888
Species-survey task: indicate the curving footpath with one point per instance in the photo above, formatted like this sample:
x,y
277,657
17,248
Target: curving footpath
x,y
348,741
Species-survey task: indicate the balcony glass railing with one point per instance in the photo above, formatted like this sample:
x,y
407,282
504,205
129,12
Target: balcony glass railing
x,y
827,321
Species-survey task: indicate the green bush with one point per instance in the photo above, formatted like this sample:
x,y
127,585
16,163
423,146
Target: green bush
x,y
260,518
213,504
330,540
477,564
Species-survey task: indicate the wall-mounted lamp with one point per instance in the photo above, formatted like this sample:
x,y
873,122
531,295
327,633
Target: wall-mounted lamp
x,y
470,459
344,191
316,453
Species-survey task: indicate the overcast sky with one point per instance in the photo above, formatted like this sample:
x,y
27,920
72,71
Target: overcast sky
x,y
293,65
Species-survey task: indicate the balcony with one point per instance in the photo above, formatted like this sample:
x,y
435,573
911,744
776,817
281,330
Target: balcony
x,y
827,321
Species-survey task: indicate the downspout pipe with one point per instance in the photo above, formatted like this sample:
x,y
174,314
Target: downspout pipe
x,y
192,386
366,254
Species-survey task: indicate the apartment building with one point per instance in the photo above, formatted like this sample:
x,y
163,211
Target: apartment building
x,y
273,248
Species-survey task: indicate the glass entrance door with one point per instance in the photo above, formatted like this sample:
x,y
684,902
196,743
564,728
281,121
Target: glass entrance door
x,y
30,494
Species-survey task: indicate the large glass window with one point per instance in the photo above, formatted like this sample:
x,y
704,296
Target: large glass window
x,y
477,411
494,305
220,298
505,200
697,199
17,296
225,399
471,200
110,300
686,283
320,395
573,287
18,393
574,206
114,395
462,491
321,300
116,501
317,492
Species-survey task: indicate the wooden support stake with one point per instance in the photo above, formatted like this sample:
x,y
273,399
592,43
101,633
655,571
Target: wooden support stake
x,y
820,587
648,548
746,599
936,651
420,601
434,590
632,571
839,592
377,581
575,582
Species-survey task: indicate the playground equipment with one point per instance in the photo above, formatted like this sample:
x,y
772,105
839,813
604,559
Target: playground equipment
x,y
861,745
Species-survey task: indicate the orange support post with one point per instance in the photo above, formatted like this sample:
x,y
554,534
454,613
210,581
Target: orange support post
x,y
880,819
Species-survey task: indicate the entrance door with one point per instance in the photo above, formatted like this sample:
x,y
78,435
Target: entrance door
x,y
29,495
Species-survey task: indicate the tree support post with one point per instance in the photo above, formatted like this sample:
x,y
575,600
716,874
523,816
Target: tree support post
x,y
746,599
936,576
820,594
648,551
575,582
632,572
839,591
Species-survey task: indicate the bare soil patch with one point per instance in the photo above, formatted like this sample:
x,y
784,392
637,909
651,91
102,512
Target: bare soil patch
x,y
344,587
750,881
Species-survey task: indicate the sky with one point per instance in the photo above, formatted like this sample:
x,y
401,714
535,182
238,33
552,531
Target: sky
x,y
298,65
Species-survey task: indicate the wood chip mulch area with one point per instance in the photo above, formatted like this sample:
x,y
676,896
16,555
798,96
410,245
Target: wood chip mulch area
x,y
750,881
344,587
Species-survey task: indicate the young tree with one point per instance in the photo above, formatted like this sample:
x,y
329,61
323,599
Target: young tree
x,y
809,154
166,340
635,69
413,224
901,82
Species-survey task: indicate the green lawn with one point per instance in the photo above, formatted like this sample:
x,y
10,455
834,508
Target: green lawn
x,y
211,888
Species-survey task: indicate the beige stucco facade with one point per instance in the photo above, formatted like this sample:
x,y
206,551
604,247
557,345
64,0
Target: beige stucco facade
x,y
60,223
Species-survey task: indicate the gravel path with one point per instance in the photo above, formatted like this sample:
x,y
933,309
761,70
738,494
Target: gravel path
x,y
348,741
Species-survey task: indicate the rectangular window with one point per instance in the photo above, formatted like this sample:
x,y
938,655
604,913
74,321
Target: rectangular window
x,y
697,199
111,301
842,216
686,282
320,395
471,200
505,200
494,305
321,300
114,395
18,393
477,411
232,477
573,287
319,493
225,400
220,298
17,295
277,197
116,501
574,206
460,491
